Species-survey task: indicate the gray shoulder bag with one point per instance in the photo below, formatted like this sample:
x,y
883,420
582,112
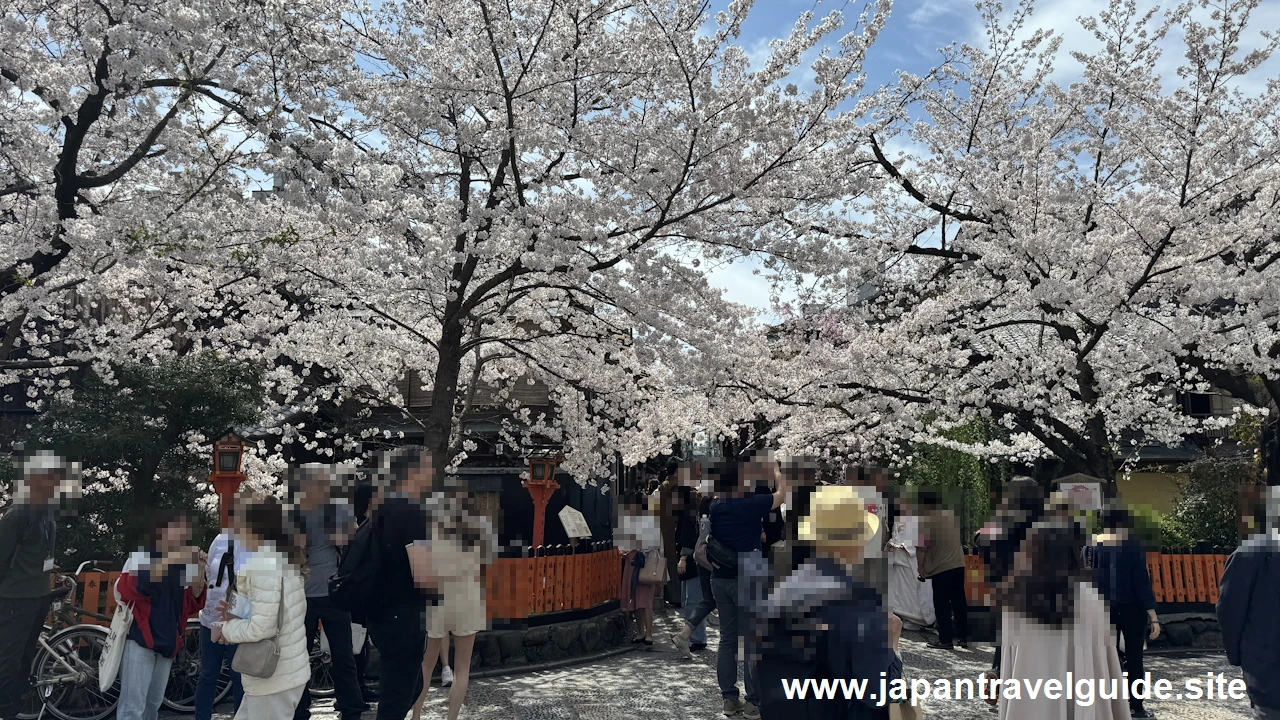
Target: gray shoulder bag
x,y
258,659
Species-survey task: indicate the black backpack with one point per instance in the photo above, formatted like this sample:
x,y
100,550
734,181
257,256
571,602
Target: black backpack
x,y
360,587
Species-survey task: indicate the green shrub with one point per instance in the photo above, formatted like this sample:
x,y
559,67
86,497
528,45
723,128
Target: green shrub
x,y
1206,514
965,481
131,433
1159,531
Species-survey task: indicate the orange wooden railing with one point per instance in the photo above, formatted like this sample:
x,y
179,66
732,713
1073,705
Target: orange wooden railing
x,y
520,587
1185,577
95,595
1175,578
515,587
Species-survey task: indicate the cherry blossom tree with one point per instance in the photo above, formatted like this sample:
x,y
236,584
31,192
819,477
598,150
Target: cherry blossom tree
x,y
130,135
536,190
475,194
1058,257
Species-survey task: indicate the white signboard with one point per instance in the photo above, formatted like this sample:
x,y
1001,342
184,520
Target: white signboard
x,y
1084,496
575,524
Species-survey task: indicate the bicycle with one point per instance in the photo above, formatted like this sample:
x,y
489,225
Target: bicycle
x,y
321,685
184,676
65,670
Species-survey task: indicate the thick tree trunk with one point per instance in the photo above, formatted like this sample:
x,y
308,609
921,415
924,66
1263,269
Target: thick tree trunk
x,y
66,193
438,426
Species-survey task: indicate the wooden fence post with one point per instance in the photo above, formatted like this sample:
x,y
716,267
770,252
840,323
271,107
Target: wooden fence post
x,y
1157,578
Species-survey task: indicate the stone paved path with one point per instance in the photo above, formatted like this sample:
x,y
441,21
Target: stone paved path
x,y
659,685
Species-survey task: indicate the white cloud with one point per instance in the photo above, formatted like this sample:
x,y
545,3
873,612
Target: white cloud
x,y
740,283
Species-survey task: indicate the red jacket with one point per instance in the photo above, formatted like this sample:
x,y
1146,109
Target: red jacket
x,y
161,606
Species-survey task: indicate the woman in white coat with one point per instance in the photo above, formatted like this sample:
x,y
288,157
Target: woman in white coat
x,y
1055,627
273,575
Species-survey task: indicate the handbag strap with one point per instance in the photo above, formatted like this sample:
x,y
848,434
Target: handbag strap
x,y
280,611
227,564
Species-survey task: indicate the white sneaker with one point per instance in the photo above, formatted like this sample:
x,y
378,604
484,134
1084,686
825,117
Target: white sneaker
x,y
446,677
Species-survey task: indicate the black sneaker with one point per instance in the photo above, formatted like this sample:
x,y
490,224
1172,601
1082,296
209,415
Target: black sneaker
x,y
936,645
1141,714
697,647
963,643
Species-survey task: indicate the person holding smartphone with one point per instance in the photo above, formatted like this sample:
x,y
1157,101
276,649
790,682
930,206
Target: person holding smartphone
x,y
164,585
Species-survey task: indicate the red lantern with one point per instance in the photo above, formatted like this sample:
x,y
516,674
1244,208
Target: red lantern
x,y
228,454
541,486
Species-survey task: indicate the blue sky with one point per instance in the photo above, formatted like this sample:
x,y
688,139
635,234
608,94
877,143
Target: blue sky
x,y
912,35
910,41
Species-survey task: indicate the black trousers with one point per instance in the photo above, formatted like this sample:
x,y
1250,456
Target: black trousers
x,y
948,600
21,620
401,637
337,628
362,663
1130,620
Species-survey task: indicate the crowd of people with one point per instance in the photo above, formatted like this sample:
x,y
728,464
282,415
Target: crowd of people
x,y
794,570
807,597
264,591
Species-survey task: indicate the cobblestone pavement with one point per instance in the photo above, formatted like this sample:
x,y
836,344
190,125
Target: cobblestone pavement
x,y
658,684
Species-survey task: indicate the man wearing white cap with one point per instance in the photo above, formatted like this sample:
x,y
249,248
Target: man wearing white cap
x,y
27,533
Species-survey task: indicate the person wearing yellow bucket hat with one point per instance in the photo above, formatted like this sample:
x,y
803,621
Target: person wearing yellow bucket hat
x,y
838,521
823,622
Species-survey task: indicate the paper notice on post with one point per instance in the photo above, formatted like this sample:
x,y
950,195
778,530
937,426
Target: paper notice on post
x,y
575,524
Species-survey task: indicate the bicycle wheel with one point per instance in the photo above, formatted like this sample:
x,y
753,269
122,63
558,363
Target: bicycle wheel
x,y
67,678
321,674
32,703
184,676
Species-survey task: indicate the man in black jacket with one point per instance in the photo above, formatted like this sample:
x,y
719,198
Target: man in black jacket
x,y
27,534
1247,603
399,628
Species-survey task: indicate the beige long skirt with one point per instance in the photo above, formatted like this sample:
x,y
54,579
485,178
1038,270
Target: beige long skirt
x,y
276,706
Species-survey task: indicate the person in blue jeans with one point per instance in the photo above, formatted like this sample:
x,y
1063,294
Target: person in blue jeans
x,y
164,585
685,507
737,522
225,559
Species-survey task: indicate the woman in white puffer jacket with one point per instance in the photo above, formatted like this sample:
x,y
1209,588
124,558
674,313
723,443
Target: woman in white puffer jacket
x,y
273,574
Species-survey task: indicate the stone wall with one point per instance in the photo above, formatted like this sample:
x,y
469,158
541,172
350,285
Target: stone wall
x,y
548,643
1187,630
502,649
